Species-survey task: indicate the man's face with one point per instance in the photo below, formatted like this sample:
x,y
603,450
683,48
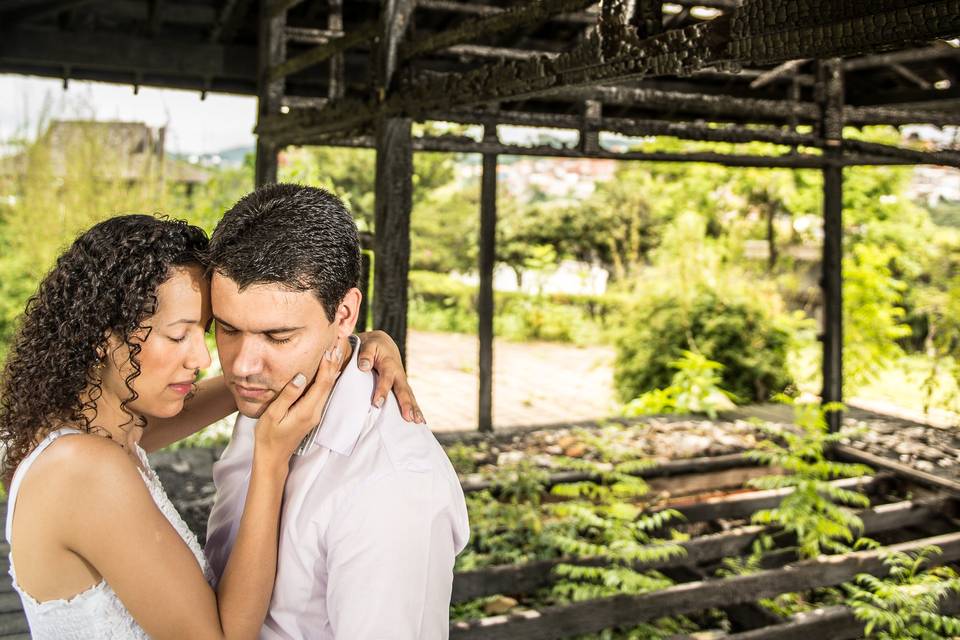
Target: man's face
x,y
266,335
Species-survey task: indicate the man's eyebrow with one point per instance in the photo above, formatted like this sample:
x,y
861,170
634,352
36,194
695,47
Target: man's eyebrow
x,y
270,330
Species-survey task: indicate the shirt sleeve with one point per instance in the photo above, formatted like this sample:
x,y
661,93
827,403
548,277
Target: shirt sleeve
x,y
231,477
390,560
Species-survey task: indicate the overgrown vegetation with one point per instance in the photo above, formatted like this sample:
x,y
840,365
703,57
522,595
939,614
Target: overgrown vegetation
x,y
817,513
906,604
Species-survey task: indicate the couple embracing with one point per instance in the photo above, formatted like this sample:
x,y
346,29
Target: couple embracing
x,y
337,513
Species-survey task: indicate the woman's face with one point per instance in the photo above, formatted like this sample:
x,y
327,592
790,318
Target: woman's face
x,y
172,348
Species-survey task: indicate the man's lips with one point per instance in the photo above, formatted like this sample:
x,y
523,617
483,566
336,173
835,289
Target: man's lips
x,y
251,393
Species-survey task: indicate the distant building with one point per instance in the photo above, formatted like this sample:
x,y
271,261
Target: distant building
x,y
137,149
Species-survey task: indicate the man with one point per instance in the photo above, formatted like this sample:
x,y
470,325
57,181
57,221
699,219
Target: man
x,y
373,512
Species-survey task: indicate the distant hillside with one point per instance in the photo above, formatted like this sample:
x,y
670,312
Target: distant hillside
x,y
233,157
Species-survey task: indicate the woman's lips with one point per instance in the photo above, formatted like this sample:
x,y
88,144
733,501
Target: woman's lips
x,y
183,388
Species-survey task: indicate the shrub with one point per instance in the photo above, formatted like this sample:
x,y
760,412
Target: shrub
x,y
440,303
741,335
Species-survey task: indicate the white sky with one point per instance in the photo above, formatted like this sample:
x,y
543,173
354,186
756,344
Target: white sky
x,y
194,126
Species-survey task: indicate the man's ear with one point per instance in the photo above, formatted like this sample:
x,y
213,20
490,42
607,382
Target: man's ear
x,y
348,312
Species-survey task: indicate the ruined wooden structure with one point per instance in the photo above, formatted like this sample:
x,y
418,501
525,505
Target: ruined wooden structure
x,y
362,73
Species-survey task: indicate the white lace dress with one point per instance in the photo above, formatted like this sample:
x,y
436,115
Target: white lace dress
x,y
96,613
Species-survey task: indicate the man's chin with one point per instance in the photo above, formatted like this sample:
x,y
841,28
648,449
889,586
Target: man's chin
x,y
250,408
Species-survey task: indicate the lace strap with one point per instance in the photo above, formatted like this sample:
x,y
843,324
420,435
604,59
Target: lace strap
x,y
22,470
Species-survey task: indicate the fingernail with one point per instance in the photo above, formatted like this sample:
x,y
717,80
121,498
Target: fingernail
x,y
328,355
338,353
299,380
379,402
420,417
364,365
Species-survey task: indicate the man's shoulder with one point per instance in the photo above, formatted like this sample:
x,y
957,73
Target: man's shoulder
x,y
409,446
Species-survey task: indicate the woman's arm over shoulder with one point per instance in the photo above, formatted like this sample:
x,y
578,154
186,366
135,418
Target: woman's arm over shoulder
x,y
109,518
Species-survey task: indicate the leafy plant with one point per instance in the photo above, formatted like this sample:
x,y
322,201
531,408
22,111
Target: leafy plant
x,y
695,388
906,604
815,511
742,336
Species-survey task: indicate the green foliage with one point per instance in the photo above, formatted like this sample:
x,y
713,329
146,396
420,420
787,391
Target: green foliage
x,y
440,303
606,518
57,196
906,604
815,511
695,388
740,335
873,317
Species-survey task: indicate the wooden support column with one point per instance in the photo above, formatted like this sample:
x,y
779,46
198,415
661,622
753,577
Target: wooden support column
x,y
831,73
271,45
335,89
394,186
488,234
589,131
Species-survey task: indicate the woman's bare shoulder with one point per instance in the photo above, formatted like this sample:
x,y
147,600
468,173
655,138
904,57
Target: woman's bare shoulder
x,y
82,464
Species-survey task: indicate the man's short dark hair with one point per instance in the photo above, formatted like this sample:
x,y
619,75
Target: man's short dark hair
x,y
300,237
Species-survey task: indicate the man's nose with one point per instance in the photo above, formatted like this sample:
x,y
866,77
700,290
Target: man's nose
x,y
248,361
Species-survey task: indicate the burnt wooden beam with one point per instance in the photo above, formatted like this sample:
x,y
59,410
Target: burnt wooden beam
x,y
522,579
156,17
907,472
176,13
456,144
476,9
41,10
680,101
743,505
323,52
700,131
228,20
914,156
393,183
280,7
836,623
746,36
933,52
648,17
337,85
486,263
669,468
787,69
272,46
460,145
514,18
831,281
910,76
505,53
122,52
619,611
899,116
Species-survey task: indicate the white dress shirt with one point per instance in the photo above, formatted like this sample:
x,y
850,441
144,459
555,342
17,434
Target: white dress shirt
x,y
373,517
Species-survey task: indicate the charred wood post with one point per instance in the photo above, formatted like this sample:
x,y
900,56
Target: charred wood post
x,y
832,266
394,186
488,234
335,89
272,50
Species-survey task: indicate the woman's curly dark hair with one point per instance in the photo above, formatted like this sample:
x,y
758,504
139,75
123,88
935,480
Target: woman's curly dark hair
x,y
106,282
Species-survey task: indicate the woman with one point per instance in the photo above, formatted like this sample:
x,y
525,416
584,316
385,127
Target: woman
x,y
108,352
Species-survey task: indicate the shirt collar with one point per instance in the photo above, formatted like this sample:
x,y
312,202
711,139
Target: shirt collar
x,y
348,406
